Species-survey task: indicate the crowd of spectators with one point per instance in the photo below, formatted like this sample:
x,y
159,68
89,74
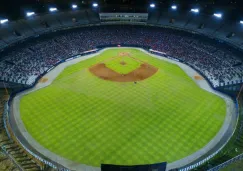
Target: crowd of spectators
x,y
219,63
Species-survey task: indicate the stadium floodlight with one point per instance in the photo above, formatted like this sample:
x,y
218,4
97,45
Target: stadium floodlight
x,y
95,5
3,21
174,7
195,10
52,9
74,6
218,15
241,22
152,5
29,14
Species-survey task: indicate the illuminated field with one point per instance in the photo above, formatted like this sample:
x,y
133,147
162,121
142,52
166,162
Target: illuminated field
x,y
91,119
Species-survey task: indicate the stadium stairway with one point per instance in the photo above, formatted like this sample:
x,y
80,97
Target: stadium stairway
x,y
13,156
5,162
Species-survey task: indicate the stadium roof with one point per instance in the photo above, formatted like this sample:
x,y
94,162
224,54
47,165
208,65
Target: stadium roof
x,y
14,9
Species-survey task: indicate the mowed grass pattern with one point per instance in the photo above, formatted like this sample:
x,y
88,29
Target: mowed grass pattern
x,y
129,65
92,121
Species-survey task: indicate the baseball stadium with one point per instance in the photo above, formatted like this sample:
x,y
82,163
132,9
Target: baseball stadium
x,y
116,87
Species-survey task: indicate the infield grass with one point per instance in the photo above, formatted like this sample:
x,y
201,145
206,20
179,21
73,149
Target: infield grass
x,y
128,66
92,121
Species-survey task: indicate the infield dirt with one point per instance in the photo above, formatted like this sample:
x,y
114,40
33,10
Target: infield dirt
x,y
143,72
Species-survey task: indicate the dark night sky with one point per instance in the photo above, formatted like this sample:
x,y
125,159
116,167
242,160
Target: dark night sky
x,y
16,8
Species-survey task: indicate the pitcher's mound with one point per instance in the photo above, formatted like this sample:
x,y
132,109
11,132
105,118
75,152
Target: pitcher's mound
x,y
143,72
123,63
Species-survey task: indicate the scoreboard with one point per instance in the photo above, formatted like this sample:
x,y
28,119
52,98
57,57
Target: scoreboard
x,y
123,17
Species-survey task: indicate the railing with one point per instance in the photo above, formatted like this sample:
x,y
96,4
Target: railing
x,y
11,158
5,115
11,135
6,123
8,134
201,162
237,158
212,155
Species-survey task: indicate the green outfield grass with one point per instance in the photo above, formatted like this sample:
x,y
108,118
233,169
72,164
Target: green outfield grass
x,y
92,121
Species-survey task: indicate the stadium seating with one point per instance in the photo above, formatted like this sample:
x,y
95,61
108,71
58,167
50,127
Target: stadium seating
x,y
2,44
22,65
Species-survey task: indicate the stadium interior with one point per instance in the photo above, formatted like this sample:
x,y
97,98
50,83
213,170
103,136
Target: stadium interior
x,y
35,37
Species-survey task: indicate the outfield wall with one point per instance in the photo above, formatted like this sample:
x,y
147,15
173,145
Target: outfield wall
x,y
213,147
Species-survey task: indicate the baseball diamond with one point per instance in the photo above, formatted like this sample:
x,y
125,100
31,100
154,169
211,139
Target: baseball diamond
x,y
123,107
121,85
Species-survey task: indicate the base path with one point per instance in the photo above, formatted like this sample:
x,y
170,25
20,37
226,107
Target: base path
x,y
143,72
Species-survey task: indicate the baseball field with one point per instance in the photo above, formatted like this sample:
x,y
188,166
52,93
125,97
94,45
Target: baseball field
x,y
122,107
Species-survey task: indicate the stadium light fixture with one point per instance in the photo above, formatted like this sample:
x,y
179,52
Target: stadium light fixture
x,y
29,14
3,21
74,6
52,9
195,10
174,7
152,5
95,5
218,15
